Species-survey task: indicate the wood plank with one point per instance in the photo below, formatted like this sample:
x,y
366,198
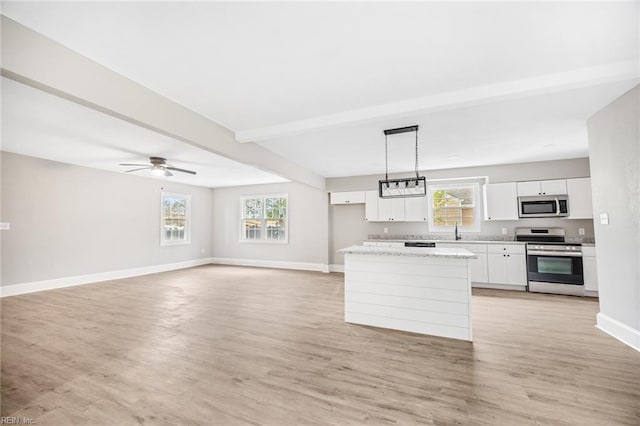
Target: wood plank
x,y
236,345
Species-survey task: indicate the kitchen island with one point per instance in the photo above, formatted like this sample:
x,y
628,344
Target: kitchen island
x,y
422,290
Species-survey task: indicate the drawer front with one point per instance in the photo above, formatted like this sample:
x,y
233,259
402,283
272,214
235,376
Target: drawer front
x,y
506,248
589,251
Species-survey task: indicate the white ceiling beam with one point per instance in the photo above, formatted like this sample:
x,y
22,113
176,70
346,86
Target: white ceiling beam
x,y
33,59
452,100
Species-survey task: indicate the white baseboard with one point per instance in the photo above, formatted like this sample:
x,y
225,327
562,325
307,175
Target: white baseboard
x,y
30,287
319,267
336,268
627,335
499,286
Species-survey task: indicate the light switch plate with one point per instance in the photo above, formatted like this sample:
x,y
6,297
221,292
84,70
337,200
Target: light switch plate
x,y
5,226
604,218
581,231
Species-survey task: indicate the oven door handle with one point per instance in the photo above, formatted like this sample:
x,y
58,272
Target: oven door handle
x,y
557,207
553,253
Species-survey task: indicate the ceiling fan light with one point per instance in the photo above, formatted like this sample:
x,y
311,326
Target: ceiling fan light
x,y
159,171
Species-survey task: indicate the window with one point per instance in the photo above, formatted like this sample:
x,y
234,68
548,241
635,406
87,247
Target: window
x,y
264,218
452,204
175,219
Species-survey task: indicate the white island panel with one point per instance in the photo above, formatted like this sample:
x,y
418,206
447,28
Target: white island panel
x,y
422,292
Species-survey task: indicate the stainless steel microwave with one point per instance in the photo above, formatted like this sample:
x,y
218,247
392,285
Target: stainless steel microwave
x,y
543,206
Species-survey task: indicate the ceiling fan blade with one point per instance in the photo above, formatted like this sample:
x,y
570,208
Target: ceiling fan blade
x,y
133,165
168,173
181,170
135,170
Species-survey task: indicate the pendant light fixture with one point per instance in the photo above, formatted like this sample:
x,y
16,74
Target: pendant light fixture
x,y
403,187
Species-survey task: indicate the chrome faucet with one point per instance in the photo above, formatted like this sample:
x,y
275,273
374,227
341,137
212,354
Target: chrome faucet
x,y
458,236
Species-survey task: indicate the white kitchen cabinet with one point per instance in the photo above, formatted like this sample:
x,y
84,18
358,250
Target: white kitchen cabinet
x,y
507,264
590,271
500,201
390,209
352,197
371,206
579,191
477,267
415,209
542,187
383,209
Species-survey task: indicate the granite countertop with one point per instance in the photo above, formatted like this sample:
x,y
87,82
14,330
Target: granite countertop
x,y
454,253
466,238
376,240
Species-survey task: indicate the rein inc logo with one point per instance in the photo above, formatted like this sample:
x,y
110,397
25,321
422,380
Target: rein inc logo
x,y
16,421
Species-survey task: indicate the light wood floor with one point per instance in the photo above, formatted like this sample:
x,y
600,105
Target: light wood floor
x,y
234,345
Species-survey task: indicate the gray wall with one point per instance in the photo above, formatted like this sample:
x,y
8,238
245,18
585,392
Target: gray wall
x,y
68,220
308,225
348,226
614,148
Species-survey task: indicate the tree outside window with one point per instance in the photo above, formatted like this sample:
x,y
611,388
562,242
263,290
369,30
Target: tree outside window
x,y
264,218
175,219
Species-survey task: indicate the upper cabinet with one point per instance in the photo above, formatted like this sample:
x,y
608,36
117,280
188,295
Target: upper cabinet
x,y
542,187
390,209
415,209
371,206
353,197
500,201
579,191
410,209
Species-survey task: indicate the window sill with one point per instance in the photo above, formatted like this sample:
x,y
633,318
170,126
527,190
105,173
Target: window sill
x,y
264,241
174,243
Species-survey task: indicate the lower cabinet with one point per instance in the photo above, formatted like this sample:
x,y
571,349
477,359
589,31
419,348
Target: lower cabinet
x,y
477,267
590,271
507,264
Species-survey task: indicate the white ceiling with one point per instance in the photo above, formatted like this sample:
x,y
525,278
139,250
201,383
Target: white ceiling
x,y
290,74
536,128
38,124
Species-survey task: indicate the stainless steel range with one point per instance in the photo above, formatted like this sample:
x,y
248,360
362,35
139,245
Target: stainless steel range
x,y
553,266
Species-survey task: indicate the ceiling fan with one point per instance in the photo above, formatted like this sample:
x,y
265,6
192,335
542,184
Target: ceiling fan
x,y
158,166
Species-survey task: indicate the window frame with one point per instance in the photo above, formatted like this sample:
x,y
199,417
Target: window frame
x,y
187,228
262,198
477,206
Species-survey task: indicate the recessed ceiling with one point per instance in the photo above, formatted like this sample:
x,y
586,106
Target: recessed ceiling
x,y
38,124
510,81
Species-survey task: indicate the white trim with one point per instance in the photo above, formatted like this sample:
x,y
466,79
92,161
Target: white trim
x,y
31,287
627,335
511,287
263,230
187,228
336,268
320,267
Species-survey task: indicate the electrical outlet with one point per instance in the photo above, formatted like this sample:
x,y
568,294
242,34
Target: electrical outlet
x,y
504,230
604,218
385,230
5,226
581,231
201,251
